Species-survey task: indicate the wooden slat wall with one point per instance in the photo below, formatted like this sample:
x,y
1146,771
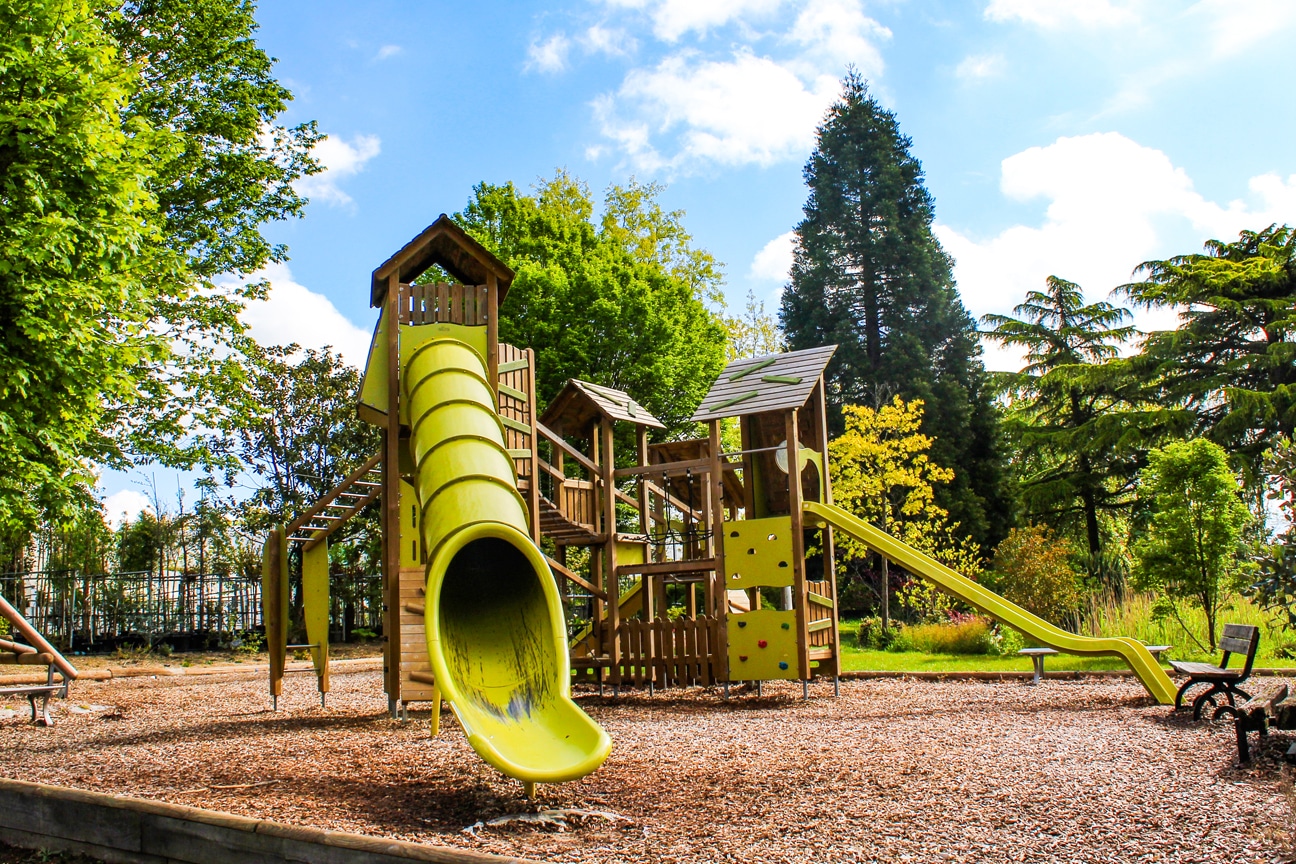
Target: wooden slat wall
x,y
413,640
445,303
677,653
822,638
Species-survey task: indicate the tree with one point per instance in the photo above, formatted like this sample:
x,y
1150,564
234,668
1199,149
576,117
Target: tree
x,y
752,333
622,304
81,252
1032,568
1189,551
1077,434
883,474
1231,363
1276,588
303,436
869,276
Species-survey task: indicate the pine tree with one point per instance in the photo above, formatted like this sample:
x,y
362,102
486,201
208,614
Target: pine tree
x,y
870,276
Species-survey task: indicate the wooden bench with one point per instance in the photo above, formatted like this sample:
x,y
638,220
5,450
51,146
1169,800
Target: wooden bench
x,y
1241,639
1257,715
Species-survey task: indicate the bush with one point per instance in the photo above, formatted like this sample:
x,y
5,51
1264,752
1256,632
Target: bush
x,y
971,635
1032,568
1008,641
872,637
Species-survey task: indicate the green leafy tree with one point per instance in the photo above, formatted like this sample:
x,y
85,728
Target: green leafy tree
x,y
81,255
1033,568
882,473
1276,588
621,303
1231,363
752,333
1189,551
870,276
1079,433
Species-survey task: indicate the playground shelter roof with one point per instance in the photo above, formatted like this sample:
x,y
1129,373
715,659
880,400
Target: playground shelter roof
x,y
445,244
578,402
754,385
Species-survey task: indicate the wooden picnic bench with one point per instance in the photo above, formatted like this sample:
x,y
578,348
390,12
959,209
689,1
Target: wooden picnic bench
x,y
1271,709
38,652
1241,639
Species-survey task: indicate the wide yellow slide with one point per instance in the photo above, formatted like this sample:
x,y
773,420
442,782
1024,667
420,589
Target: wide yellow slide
x,y
1134,653
496,635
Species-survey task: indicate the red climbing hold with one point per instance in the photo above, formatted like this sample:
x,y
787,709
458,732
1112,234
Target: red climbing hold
x,y
761,644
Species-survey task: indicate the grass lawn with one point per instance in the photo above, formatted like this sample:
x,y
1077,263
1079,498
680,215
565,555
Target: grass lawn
x,y
858,660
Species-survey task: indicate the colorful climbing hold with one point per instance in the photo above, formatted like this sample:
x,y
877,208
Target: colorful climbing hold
x,y
761,644
783,665
787,626
742,657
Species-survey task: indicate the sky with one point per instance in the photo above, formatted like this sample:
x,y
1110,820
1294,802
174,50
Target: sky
x,y
1075,138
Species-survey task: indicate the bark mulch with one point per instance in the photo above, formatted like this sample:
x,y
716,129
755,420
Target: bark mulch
x,y
893,770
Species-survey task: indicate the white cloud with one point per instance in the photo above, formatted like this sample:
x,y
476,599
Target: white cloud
x,y
774,260
611,42
696,108
673,19
746,110
387,51
293,313
979,66
1054,14
125,505
1233,26
1112,205
549,55
340,160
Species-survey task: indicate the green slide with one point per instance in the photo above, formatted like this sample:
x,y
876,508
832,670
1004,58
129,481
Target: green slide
x,y
1154,678
495,631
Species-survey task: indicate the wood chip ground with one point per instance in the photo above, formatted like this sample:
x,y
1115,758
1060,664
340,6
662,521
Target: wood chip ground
x,y
893,770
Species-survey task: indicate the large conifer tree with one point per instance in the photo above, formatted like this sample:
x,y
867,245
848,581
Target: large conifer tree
x,y
870,276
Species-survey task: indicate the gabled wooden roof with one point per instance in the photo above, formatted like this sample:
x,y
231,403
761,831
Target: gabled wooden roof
x,y
771,383
580,401
446,244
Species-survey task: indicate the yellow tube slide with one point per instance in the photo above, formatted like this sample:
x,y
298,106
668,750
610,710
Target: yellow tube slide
x,y
496,636
1149,672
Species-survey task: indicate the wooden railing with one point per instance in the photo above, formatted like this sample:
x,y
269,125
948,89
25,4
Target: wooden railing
x,y
444,303
676,653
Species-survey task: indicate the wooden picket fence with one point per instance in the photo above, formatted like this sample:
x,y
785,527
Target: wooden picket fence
x,y
669,653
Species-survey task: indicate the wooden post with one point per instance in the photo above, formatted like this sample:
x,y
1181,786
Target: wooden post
x,y
798,546
391,499
607,464
533,501
716,594
829,552
492,332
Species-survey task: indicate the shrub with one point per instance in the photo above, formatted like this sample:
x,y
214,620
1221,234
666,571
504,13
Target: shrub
x,y
872,637
971,635
1008,641
1032,568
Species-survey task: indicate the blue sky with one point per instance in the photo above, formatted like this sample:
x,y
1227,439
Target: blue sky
x,y
1068,137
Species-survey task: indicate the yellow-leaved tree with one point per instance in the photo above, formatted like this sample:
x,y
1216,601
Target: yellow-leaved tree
x,y
881,473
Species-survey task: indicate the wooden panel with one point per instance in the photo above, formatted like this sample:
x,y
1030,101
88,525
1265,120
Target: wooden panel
x,y
770,386
413,641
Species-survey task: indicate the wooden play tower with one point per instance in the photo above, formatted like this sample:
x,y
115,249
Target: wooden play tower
x,y
678,563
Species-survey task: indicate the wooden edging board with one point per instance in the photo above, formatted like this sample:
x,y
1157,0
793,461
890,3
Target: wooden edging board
x,y
115,828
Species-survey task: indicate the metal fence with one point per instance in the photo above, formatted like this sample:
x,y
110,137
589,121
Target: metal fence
x,y
87,612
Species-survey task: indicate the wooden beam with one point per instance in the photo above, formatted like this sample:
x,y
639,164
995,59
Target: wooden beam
x,y
666,568
329,497
798,545
819,400
608,499
563,570
36,640
716,593
391,499
559,442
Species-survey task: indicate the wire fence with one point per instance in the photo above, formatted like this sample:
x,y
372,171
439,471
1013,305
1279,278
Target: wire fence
x,y
99,611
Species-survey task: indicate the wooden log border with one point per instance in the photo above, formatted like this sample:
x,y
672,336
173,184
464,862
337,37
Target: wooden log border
x,y
122,830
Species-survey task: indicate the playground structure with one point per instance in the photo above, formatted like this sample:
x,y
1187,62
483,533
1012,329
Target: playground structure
x,y
37,651
697,565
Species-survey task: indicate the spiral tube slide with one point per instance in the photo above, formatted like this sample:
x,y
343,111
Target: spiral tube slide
x,y
1149,672
496,636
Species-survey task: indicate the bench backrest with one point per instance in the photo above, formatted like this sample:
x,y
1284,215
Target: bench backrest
x,y
1240,639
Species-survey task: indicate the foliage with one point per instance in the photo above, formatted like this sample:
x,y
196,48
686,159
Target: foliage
x,y
1276,588
1078,437
1189,551
1230,366
1032,568
621,303
81,258
1140,615
869,276
302,435
968,635
752,333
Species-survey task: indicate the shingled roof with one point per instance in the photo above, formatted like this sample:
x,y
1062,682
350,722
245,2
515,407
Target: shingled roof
x,y
576,403
774,382
446,244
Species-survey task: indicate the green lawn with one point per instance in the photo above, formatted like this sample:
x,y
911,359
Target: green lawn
x,y
858,660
